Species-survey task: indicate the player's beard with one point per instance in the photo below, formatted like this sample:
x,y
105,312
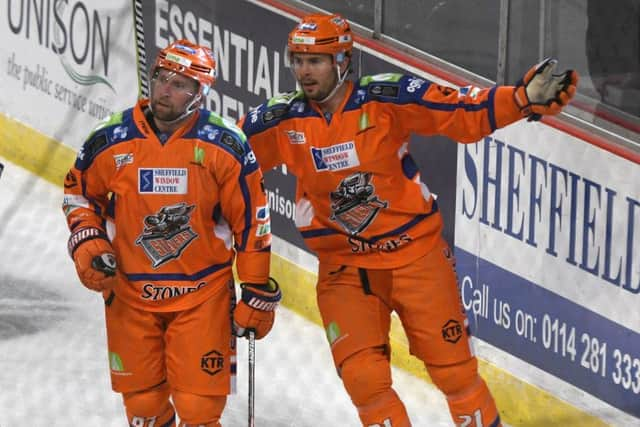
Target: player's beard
x,y
321,91
165,110
318,95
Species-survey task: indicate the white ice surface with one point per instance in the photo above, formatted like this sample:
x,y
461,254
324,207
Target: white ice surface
x,y
53,360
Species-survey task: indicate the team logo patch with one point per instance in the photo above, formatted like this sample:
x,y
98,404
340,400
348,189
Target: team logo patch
x,y
470,91
212,362
198,156
296,137
384,90
178,59
167,233
333,332
307,26
119,133
263,229
273,114
354,205
336,157
115,362
298,107
303,40
363,121
415,84
452,331
208,132
163,180
233,143
262,213
123,159
186,49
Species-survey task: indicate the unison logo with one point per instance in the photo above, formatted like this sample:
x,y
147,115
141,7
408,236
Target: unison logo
x,y
71,31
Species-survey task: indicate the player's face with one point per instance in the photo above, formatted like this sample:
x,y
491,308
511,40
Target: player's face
x,y
170,94
316,74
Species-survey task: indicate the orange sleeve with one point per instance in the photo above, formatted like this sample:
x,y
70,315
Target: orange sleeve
x,y
464,115
86,196
420,106
243,204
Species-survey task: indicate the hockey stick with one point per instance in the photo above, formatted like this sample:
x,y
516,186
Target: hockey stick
x,y
141,51
252,375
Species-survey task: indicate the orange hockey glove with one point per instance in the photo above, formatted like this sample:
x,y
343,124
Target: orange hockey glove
x,y
256,309
93,255
541,92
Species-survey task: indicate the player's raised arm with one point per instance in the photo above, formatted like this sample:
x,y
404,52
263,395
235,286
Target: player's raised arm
x,y
469,113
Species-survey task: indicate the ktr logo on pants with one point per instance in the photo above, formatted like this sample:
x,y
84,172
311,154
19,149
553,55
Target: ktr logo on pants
x,y
212,362
452,331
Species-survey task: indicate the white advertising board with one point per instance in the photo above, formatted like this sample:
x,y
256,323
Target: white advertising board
x,y
548,249
67,64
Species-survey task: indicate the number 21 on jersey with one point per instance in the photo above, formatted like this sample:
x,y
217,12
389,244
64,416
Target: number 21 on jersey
x,y
467,420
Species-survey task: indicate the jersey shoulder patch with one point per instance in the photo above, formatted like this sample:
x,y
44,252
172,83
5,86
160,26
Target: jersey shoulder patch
x,y
224,133
382,85
270,113
394,87
113,129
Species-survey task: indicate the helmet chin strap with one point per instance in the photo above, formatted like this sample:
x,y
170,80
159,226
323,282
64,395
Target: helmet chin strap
x,y
341,78
190,108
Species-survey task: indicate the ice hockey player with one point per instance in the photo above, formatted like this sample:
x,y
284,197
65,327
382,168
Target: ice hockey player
x,y
375,227
162,200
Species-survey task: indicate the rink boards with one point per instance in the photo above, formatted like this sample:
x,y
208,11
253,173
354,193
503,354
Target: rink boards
x,y
545,225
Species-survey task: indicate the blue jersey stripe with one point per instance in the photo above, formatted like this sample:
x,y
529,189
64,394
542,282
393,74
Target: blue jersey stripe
x,y
407,226
247,212
321,232
134,277
309,234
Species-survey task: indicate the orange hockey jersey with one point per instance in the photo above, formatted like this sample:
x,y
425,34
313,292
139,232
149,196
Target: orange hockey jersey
x,y
177,213
360,200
